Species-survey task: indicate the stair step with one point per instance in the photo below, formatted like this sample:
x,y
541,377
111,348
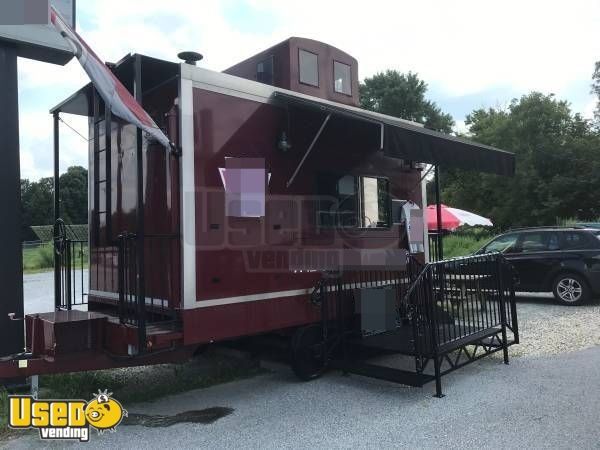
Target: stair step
x,y
383,373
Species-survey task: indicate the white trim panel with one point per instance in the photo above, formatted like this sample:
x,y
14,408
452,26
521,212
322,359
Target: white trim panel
x,y
281,294
188,200
253,90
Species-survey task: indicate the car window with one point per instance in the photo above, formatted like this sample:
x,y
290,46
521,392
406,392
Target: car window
x,y
502,244
553,241
575,240
533,242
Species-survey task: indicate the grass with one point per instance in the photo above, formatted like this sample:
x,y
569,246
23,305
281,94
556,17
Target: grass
x,y
40,259
465,241
462,245
148,383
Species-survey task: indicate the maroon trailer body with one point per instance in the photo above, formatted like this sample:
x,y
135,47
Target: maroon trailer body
x,y
173,263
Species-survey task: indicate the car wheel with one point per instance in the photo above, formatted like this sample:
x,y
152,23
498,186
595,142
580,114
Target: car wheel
x,y
571,289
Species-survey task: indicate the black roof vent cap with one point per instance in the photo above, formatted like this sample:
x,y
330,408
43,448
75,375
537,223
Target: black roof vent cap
x,y
190,57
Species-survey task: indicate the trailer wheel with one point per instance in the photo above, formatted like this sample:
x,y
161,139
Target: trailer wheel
x,y
307,352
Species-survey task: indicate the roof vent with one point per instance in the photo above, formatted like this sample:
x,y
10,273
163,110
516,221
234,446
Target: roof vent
x,y
190,57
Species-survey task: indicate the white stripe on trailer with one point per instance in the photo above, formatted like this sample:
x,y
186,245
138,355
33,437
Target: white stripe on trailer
x,y
188,198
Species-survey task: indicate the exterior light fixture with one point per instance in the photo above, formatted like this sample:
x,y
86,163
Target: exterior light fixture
x,y
284,144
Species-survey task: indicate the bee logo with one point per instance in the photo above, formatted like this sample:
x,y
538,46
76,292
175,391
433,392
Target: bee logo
x,y
103,412
65,419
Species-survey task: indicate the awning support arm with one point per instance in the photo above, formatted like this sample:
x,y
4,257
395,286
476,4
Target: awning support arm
x,y
438,213
310,147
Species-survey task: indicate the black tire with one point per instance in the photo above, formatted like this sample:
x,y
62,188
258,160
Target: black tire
x,y
571,289
306,349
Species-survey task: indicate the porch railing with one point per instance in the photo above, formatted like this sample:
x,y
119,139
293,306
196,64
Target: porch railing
x,y
460,298
450,312
70,272
151,296
435,242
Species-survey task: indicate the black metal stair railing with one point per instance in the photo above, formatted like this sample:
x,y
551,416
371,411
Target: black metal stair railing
x,y
457,298
70,269
448,313
462,309
152,295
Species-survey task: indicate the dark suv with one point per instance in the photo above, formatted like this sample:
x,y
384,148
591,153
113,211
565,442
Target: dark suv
x,y
565,261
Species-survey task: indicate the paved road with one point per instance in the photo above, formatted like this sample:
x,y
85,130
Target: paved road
x,y
549,402
38,290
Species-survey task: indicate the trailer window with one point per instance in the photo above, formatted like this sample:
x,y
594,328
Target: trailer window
x,y
308,66
353,201
264,71
342,81
375,208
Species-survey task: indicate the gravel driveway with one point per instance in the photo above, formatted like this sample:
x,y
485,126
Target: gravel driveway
x,y
547,328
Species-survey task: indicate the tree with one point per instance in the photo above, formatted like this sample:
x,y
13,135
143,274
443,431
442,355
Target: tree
x,y
558,165
74,195
37,199
403,95
596,90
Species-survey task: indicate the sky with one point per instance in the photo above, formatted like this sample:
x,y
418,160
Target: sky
x,y
471,53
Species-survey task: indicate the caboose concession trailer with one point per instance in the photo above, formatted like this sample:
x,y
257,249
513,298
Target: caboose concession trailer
x,y
281,209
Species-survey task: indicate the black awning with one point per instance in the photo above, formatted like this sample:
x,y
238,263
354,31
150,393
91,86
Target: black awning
x,y
411,141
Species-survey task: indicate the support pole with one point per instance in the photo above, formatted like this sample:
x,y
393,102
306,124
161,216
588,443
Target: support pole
x,y
438,376
57,280
141,296
11,262
438,210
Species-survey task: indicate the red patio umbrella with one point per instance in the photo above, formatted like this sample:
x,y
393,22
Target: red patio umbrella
x,y
453,218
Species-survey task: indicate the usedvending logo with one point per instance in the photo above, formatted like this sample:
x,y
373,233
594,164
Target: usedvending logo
x,y
66,419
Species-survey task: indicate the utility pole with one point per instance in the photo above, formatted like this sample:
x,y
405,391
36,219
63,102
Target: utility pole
x,y
11,257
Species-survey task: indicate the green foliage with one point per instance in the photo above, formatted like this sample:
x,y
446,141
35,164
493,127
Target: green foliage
x,y
42,258
38,258
3,409
74,195
596,90
403,95
558,165
37,201
130,385
465,241
37,198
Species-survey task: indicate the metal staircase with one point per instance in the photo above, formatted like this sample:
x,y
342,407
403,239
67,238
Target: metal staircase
x,y
447,314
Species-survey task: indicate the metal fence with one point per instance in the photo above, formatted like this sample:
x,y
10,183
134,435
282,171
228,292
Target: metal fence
x,y
461,302
435,243
448,312
148,294
72,258
459,298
